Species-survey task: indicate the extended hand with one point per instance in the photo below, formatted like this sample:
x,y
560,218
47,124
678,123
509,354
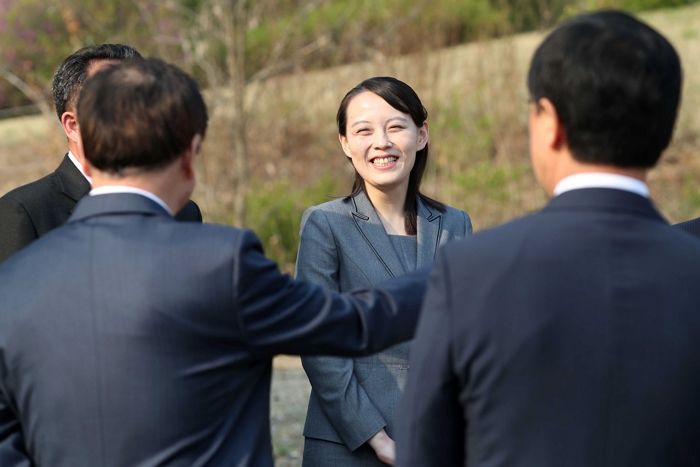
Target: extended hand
x,y
384,447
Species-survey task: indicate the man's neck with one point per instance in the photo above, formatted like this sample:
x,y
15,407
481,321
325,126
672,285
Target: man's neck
x,y
165,188
104,190
601,180
389,205
78,165
567,166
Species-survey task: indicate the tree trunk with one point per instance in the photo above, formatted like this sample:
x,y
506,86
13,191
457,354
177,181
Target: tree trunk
x,y
235,39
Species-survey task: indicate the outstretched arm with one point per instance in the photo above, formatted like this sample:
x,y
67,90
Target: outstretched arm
x,y
278,315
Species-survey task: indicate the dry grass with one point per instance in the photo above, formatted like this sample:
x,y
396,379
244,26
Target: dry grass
x,y
476,97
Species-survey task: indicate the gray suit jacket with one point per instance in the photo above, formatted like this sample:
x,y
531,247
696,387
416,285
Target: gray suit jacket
x,y
344,246
129,339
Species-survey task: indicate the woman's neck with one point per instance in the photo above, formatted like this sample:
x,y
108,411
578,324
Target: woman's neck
x,y
390,208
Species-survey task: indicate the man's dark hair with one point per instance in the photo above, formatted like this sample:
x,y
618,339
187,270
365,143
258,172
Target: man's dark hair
x,y
615,83
403,98
72,73
142,113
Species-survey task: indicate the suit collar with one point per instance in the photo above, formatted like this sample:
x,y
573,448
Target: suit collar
x,y
605,199
70,181
429,228
116,204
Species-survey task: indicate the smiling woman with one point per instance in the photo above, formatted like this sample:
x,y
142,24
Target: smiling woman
x,y
383,229
383,129
382,142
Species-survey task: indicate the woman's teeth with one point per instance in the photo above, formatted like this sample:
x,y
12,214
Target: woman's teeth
x,y
384,160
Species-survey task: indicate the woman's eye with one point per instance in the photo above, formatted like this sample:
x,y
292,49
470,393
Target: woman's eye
x,y
363,131
396,127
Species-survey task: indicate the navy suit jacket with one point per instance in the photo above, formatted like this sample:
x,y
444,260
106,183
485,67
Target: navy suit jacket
x,y
34,209
570,337
127,339
692,226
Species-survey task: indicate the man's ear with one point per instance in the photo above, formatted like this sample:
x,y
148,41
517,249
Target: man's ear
x,y
551,126
344,144
69,123
187,159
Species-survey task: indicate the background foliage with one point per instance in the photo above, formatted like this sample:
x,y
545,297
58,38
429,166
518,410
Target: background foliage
x,y
300,57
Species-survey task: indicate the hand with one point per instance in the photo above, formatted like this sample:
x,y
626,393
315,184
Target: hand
x,y
384,447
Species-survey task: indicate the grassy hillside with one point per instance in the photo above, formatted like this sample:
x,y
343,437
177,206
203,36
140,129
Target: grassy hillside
x,y
475,95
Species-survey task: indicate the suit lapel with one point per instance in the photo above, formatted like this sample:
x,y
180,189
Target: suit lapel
x,y
372,229
70,181
429,232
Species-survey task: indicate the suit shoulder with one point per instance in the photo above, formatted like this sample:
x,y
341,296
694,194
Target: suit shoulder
x,y
455,214
691,226
497,238
33,192
214,232
321,212
189,213
335,206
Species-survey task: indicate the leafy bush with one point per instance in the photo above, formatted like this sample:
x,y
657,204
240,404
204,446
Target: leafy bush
x,y
274,213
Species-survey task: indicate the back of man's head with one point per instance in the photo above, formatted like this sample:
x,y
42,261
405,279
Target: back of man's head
x,y
142,113
615,83
72,73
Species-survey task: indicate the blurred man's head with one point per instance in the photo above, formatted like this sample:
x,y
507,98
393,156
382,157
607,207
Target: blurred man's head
x,y
605,87
70,77
143,122
75,69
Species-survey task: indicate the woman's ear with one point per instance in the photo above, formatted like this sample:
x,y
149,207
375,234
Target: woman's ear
x,y
344,144
423,136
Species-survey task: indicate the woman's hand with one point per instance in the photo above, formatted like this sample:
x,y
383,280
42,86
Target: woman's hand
x,y
384,447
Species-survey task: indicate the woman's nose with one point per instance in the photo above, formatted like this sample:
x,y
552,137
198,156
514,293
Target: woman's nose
x,y
381,139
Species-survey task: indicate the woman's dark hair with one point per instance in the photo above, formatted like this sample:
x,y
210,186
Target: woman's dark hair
x,y
403,98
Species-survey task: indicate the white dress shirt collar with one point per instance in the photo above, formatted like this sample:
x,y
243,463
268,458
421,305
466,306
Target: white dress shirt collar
x,y
110,189
601,180
79,166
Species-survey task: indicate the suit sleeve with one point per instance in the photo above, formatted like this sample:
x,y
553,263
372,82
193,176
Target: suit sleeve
x,y
431,426
278,315
342,398
16,228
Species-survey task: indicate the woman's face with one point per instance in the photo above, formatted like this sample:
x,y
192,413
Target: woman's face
x,y
381,141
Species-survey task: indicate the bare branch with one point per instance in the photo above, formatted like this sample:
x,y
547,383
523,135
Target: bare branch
x,y
36,96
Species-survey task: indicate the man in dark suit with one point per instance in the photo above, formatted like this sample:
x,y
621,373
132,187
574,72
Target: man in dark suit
x,y
570,336
32,210
160,354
